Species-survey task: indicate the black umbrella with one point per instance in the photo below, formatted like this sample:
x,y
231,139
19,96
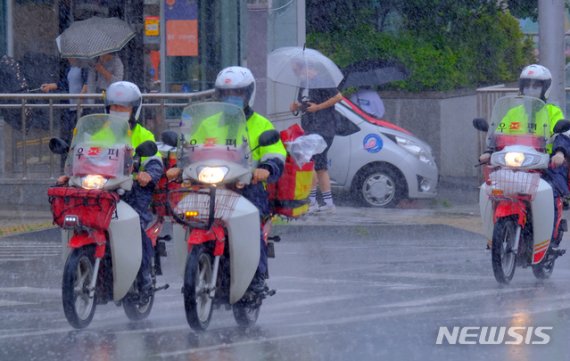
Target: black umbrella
x,y
87,39
372,73
12,80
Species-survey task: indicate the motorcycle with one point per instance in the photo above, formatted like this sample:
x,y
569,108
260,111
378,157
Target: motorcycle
x,y
516,204
217,230
101,233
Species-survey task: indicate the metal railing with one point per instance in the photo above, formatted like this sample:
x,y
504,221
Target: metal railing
x,y
24,152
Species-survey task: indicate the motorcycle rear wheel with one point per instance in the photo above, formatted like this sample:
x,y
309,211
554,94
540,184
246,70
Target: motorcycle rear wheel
x,y
246,313
197,278
77,275
503,258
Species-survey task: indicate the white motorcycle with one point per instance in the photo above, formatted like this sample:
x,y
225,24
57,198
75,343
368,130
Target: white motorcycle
x,y
218,237
101,233
517,205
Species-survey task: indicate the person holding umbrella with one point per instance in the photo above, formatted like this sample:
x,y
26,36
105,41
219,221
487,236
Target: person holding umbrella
x,y
75,82
97,38
318,117
106,70
369,101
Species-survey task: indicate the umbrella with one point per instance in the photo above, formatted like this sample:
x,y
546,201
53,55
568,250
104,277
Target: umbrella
x,y
373,72
95,36
299,66
12,80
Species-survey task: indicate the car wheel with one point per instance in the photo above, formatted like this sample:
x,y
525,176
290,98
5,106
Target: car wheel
x,y
379,186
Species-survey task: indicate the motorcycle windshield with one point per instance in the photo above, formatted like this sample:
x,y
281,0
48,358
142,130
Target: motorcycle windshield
x,y
213,134
100,146
519,120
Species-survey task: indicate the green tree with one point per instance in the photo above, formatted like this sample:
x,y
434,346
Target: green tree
x,y
446,44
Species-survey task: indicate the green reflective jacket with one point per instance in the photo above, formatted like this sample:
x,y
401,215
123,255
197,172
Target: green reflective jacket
x,y
516,122
257,124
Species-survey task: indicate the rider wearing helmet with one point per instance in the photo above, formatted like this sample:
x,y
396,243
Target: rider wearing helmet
x,y
236,85
124,100
535,81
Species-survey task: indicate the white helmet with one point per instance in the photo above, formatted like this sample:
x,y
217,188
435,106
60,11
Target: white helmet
x,y
126,94
236,81
535,80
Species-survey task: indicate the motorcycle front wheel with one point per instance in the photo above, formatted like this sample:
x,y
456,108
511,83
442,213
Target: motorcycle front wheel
x,y
503,257
78,307
197,279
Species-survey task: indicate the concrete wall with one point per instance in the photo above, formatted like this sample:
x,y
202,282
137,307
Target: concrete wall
x,y
25,194
443,120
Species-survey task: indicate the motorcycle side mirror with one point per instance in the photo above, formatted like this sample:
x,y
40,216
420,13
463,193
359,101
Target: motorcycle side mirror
x,y
146,149
480,124
269,137
562,126
169,137
58,146
266,138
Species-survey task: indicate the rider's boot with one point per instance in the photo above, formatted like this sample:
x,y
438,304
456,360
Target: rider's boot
x,y
145,280
257,285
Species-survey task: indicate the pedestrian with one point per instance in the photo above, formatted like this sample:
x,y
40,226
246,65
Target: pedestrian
x,y
318,117
369,101
107,69
74,82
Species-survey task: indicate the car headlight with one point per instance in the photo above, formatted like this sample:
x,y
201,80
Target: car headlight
x,y
514,159
212,175
417,150
93,181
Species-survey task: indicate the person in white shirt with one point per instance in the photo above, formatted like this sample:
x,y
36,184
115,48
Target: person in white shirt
x,y
369,101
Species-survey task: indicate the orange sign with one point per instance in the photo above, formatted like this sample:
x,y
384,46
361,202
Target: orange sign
x,y
151,26
182,37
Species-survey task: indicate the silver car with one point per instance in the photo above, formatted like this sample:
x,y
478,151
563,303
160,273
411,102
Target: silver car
x,y
379,162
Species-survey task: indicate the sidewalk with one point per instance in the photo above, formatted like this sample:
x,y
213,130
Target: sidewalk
x,y
14,221
455,206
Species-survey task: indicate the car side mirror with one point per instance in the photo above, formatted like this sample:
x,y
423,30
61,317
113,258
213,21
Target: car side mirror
x,y
481,124
58,146
169,137
562,126
146,149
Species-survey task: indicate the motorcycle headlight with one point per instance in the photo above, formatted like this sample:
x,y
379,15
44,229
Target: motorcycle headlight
x,y
515,159
93,181
212,175
417,150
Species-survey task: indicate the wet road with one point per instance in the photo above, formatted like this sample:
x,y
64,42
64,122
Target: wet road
x,y
366,292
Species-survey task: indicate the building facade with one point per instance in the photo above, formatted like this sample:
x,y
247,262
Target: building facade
x,y
180,45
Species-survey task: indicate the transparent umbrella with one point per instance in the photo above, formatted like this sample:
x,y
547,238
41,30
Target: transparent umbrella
x,y
302,67
87,39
